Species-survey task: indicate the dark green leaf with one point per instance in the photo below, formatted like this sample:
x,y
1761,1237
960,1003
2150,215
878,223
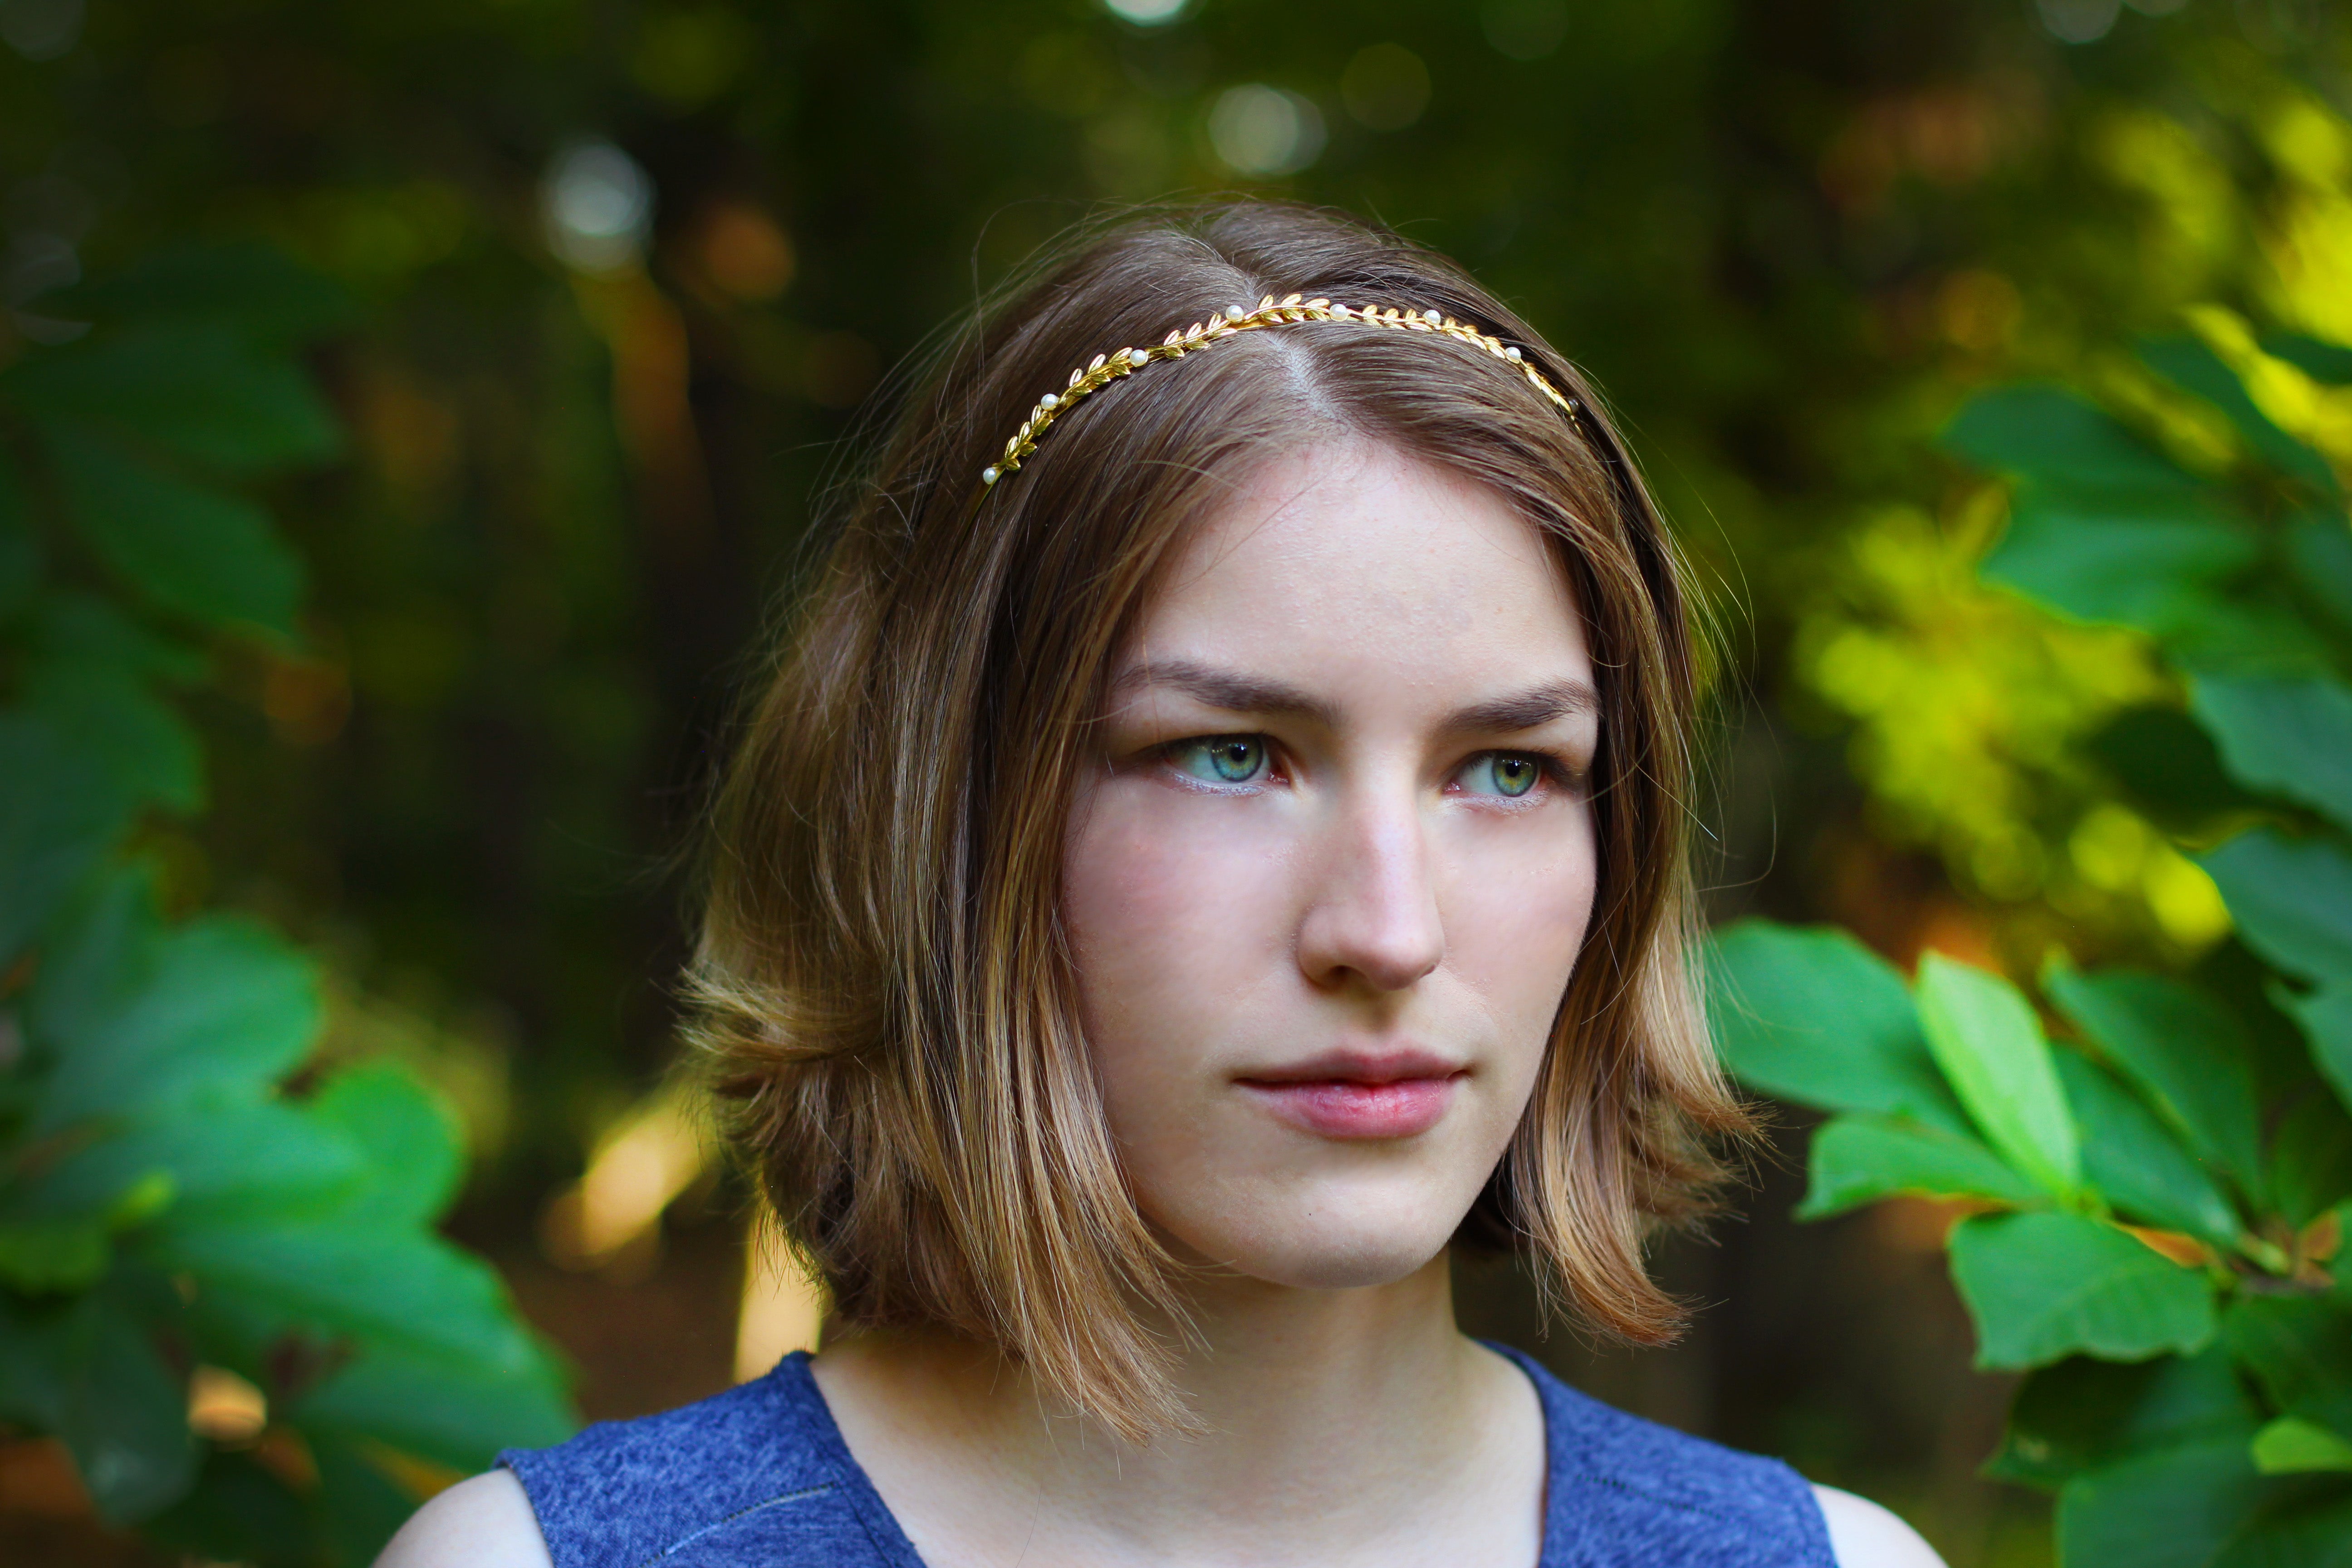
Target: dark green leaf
x,y
228,1159
1857,1160
410,1292
102,948
2048,435
2308,1532
239,1512
225,1008
2291,738
2163,762
453,1416
2292,898
2311,1155
2319,560
2177,1508
200,389
2321,360
363,1507
409,1139
2184,1052
119,723
122,1412
2136,1164
192,549
2044,1286
20,550
1984,1035
1815,1017
250,286
60,811
2082,1413
41,1256
2199,370
2327,1018
2300,1348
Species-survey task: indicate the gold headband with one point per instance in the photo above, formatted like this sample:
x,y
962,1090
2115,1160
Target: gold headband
x,y
1108,368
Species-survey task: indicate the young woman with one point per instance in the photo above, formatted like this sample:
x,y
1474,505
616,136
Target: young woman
x,y
1212,844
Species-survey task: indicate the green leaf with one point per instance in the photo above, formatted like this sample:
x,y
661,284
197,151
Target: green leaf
x,y
2322,361
453,1416
2313,1531
2082,1413
2186,1054
20,550
2300,1348
118,721
1857,1160
256,289
2050,435
2177,1508
2292,1445
198,389
43,1256
1984,1035
2292,898
2189,362
239,1512
2109,560
363,1508
2164,763
2135,1163
2311,1155
2319,562
122,1412
410,1139
2326,1015
192,549
1815,1017
60,811
221,1007
2044,1286
227,1158
407,1292
2291,738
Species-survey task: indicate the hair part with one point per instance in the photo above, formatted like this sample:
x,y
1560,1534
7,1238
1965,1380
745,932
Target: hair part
x,y
883,995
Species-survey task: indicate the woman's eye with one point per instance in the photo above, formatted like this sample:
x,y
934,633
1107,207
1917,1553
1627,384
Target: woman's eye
x,y
1509,775
1222,759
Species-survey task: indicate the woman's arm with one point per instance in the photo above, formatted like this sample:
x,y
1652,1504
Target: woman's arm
x,y
1863,1534
484,1522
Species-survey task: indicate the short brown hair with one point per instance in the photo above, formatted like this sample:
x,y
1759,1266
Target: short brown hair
x,y
884,994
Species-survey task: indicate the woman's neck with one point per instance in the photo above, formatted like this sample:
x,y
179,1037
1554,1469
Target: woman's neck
x,y
1351,1425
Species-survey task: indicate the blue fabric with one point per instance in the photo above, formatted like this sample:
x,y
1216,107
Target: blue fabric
x,y
759,1476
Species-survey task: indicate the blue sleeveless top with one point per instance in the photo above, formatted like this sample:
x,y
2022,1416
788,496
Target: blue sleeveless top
x,y
759,1476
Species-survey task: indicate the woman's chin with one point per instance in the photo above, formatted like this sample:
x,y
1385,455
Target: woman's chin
x,y
1319,1255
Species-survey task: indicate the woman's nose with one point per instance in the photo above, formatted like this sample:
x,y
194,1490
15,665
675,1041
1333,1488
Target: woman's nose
x,y
1371,917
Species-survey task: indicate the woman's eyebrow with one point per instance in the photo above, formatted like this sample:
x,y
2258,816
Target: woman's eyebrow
x,y
1527,709
1230,689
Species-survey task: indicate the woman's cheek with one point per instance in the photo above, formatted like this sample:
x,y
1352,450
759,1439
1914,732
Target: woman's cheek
x,y
1168,897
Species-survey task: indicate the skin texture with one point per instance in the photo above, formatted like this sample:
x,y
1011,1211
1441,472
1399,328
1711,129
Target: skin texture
x,y
1388,879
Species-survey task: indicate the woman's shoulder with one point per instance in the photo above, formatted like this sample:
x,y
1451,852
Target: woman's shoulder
x,y
756,1473
1620,1482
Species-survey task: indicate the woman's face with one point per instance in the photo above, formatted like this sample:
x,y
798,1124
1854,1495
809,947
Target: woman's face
x,y
1329,879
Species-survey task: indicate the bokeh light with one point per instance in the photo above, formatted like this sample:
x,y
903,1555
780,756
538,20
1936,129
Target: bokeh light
x,y
1261,130
1145,13
599,205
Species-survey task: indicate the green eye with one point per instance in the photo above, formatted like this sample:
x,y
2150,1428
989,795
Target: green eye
x,y
1506,774
1222,759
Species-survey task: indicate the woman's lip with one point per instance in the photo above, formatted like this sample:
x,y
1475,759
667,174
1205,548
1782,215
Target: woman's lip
x,y
1355,1064
1351,1107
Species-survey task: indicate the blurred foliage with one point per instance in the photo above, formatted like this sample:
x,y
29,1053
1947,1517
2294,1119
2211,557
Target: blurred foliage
x,y
2155,1210
219,1281
626,272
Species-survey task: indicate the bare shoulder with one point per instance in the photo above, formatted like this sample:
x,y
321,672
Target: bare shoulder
x,y
484,1522
1864,1535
